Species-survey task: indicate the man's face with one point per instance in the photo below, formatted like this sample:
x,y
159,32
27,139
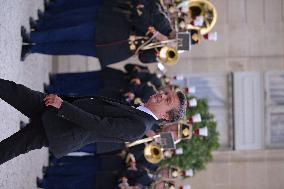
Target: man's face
x,y
163,102
161,185
164,172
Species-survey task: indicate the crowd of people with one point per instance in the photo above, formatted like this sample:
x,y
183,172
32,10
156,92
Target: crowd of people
x,y
97,28
92,165
86,119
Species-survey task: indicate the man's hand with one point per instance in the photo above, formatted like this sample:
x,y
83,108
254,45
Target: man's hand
x,y
53,100
150,133
132,166
124,179
139,9
130,96
160,37
135,81
137,68
164,172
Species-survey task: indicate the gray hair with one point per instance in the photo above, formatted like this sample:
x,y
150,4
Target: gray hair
x,y
176,114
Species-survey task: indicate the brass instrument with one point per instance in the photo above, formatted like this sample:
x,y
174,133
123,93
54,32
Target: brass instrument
x,y
167,54
184,130
152,152
205,9
186,11
141,141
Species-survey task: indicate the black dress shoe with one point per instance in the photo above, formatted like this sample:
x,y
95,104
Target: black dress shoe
x,y
26,50
33,24
44,170
23,30
46,4
40,14
39,182
25,35
22,124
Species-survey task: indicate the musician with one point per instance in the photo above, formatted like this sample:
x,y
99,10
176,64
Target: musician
x,y
65,19
106,38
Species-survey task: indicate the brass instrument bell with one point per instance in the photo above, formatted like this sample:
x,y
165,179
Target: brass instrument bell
x,y
206,9
199,8
153,153
168,55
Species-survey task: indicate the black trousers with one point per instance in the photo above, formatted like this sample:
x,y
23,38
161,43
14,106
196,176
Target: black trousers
x,y
31,104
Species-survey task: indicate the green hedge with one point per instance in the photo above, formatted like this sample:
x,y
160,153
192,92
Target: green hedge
x,y
197,150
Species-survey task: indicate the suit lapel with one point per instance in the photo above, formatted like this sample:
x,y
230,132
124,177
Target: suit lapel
x,y
127,107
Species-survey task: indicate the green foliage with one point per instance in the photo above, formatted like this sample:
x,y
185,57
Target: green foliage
x,y
197,150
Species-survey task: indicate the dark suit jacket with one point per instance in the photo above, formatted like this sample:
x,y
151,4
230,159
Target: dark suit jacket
x,y
93,120
109,147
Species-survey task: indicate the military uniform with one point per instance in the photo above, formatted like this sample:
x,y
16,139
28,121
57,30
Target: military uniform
x,y
107,37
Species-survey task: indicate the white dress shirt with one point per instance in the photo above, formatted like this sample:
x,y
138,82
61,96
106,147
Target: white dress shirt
x,y
146,110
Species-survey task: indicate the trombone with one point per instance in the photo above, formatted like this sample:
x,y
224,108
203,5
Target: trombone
x,y
152,152
167,54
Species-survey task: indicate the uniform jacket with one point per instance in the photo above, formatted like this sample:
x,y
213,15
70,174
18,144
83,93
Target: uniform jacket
x,y
114,26
147,76
112,33
151,15
131,68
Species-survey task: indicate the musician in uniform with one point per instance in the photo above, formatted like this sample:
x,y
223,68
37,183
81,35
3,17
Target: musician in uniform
x,y
108,37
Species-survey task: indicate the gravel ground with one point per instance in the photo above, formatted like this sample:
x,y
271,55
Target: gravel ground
x,y
21,172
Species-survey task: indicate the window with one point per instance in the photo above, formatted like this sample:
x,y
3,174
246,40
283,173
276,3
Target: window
x,y
274,85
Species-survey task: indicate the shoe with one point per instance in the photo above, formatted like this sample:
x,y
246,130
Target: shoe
x,y
26,50
33,24
23,30
44,170
39,182
25,35
45,87
46,4
22,124
40,14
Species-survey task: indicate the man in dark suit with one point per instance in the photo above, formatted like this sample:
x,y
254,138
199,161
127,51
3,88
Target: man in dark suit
x,y
65,127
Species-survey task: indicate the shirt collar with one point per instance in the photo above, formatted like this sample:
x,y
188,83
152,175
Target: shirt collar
x,y
146,110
